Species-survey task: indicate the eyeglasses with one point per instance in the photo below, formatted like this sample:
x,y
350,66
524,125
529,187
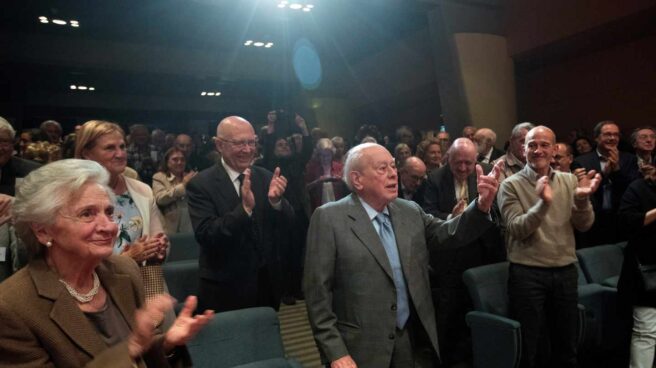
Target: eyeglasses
x,y
642,137
90,215
241,144
610,135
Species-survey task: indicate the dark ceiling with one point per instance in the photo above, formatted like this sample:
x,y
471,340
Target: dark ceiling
x,y
155,56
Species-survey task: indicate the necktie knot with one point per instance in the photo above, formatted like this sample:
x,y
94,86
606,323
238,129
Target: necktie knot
x,y
241,179
383,220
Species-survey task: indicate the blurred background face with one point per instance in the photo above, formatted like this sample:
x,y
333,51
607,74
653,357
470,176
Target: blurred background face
x,y
6,147
184,143
462,163
468,132
562,160
53,132
609,137
140,137
176,163
402,153
109,150
282,148
583,146
482,144
645,140
433,155
517,145
412,176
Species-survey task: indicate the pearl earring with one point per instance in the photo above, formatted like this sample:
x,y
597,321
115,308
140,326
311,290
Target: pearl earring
x,y
49,244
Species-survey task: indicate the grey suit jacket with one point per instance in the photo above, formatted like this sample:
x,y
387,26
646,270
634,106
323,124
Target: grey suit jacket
x,y
349,290
42,326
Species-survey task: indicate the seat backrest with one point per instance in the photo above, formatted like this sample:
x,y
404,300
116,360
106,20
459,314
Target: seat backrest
x,y
183,247
181,278
238,337
601,262
488,288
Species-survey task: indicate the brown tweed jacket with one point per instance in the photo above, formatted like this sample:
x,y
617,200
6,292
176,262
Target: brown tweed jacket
x,y
42,326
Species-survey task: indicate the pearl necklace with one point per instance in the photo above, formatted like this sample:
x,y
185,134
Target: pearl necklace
x,y
87,297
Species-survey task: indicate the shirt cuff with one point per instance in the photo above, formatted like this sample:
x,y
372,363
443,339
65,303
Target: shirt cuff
x,y
276,206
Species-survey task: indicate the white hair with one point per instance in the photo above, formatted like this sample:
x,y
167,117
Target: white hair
x,y
47,190
352,162
4,124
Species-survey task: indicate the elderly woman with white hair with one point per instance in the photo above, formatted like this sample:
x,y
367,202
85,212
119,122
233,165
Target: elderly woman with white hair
x,y
76,304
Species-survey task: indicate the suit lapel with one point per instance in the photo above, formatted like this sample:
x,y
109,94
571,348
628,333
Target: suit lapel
x,y
65,313
448,190
364,230
402,241
225,187
117,286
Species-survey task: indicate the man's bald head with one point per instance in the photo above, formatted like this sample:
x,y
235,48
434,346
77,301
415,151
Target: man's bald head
x,y
412,173
462,158
236,141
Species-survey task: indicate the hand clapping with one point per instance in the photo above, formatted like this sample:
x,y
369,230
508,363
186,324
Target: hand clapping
x,y
277,187
487,186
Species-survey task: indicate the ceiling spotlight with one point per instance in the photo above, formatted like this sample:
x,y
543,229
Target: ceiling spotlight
x,y
248,43
59,22
43,17
44,21
282,5
269,45
295,6
210,93
82,88
73,86
309,6
217,94
92,88
306,9
258,44
203,93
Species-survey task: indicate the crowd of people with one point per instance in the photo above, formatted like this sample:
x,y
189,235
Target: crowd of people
x,y
379,233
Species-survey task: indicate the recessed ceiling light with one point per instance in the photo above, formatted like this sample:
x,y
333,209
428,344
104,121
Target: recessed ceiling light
x,y
43,17
306,9
44,21
203,93
269,45
295,6
92,88
217,94
309,6
59,22
82,87
210,93
258,44
73,86
248,43
282,5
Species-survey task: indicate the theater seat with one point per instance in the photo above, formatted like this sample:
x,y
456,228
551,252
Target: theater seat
x,y
602,264
245,338
183,247
496,338
182,279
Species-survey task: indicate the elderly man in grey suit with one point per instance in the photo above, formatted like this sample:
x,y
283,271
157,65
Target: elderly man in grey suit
x,y
366,279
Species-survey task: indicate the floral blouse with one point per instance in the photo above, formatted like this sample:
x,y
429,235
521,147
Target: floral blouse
x,y
130,222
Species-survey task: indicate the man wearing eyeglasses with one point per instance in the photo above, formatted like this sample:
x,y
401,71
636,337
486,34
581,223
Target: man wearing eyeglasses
x,y
236,210
618,169
643,140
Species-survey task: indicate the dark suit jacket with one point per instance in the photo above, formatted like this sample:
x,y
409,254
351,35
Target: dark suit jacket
x,y
16,167
620,179
439,200
233,246
42,326
496,153
348,284
418,196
